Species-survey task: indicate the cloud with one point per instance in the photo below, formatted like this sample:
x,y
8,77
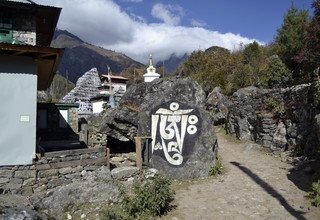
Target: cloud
x,y
134,1
198,23
169,14
162,40
104,23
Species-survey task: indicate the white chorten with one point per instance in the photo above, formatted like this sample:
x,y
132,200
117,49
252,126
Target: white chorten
x,y
151,72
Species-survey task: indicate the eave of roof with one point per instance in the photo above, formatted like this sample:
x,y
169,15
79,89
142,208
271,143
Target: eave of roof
x,y
114,77
48,60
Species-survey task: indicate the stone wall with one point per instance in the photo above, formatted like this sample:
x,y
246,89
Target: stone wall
x,y
279,119
73,119
52,170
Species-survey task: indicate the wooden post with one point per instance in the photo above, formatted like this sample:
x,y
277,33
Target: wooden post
x,y
108,157
138,153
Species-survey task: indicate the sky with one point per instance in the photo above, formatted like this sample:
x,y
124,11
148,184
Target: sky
x,y
138,28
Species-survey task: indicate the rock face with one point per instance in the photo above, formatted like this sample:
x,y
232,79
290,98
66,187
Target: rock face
x,y
171,112
86,87
280,119
218,105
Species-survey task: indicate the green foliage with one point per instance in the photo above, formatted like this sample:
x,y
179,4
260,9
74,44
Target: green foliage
x,y
310,55
210,68
290,40
277,74
230,71
150,198
315,188
114,213
217,168
59,87
277,107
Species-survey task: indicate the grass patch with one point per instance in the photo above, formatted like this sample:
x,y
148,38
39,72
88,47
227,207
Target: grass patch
x,y
217,168
315,194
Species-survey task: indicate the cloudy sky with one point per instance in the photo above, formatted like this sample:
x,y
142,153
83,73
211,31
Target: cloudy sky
x,y
163,27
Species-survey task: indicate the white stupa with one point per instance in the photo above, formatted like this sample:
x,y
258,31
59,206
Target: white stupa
x,y
151,72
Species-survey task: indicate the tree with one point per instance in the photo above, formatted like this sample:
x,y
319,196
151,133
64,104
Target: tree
x,y
210,68
290,40
277,74
310,55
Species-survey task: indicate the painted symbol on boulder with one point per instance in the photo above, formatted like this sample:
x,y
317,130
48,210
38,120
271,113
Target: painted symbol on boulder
x,y
170,128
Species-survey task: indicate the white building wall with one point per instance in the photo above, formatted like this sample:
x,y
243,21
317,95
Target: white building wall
x,y
18,95
97,107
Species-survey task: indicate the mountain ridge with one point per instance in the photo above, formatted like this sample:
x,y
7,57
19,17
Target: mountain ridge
x,y
80,56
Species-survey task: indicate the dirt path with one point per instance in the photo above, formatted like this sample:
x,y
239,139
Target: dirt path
x,y
256,186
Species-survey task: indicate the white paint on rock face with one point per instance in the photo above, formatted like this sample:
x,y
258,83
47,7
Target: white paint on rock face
x,y
168,130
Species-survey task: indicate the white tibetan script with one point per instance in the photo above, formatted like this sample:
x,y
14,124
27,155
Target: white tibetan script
x,y
169,128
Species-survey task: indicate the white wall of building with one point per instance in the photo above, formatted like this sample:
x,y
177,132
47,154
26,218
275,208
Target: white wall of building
x,y
18,95
97,107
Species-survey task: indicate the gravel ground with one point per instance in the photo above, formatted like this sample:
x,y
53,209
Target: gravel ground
x,y
256,185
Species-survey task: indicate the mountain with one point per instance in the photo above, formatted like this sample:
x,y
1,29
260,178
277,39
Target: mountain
x,y
172,64
80,56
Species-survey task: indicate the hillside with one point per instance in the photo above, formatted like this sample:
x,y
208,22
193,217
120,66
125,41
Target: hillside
x,y
172,63
79,57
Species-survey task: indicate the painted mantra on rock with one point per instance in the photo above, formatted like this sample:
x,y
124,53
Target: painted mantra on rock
x,y
169,129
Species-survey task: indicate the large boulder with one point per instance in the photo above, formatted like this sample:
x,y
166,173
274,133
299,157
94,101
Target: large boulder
x,y
171,112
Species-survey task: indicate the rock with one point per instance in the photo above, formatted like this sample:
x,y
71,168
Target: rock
x,y
218,104
187,147
6,173
29,182
4,180
150,173
24,174
279,137
95,187
26,191
123,172
48,173
69,217
21,214
58,182
117,159
65,170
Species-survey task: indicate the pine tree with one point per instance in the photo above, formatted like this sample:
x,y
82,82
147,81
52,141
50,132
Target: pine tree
x,y
290,40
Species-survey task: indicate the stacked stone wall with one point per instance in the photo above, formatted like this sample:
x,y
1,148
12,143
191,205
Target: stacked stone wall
x,y
52,170
279,119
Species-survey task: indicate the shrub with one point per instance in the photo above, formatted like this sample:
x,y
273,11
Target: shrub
x,y
277,107
217,168
316,193
150,198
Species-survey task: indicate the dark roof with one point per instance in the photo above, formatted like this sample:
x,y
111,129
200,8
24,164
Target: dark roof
x,y
48,59
46,18
114,77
